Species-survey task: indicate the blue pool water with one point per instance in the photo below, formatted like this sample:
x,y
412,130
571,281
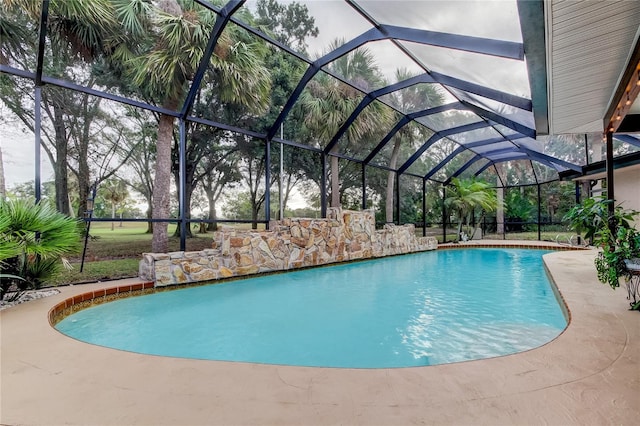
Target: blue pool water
x,y
421,309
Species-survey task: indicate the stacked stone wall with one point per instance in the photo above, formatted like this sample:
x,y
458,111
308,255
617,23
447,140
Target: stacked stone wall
x,y
291,243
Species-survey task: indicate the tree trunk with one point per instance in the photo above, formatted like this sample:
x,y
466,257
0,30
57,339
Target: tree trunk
x,y
500,211
212,212
335,182
89,112
162,182
60,166
254,216
468,222
149,216
3,189
61,180
213,215
113,215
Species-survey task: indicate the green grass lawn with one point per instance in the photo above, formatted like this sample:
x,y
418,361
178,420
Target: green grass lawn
x,y
100,270
113,254
116,254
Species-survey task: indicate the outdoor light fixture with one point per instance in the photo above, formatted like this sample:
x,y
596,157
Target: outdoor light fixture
x,y
638,80
89,205
628,101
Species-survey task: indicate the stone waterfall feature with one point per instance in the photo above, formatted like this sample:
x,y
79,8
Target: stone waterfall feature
x,y
290,243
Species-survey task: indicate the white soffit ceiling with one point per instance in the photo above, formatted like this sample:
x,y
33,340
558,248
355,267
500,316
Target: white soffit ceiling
x,y
589,45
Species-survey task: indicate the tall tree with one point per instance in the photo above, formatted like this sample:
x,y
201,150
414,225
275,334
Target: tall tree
x,y
223,174
114,191
207,150
161,49
411,99
77,33
327,103
140,143
290,24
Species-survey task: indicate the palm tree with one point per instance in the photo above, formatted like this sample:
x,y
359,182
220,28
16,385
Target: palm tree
x,y
467,195
411,99
76,32
115,192
327,103
154,49
161,49
33,238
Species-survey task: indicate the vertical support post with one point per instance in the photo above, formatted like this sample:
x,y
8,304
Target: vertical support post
x,y
182,184
444,215
424,207
42,35
398,198
89,215
578,202
586,149
281,172
323,186
539,212
267,183
364,186
38,143
610,182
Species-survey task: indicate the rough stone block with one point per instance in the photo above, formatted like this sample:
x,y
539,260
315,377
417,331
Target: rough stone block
x,y
191,267
235,242
245,260
164,279
247,270
179,276
204,275
226,272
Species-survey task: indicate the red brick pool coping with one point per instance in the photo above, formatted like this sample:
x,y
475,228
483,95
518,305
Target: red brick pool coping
x,y
103,295
540,245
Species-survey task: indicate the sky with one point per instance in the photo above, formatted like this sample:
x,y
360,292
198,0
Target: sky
x,y
18,155
336,19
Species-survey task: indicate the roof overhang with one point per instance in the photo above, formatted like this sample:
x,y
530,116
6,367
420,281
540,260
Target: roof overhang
x,y
582,58
598,170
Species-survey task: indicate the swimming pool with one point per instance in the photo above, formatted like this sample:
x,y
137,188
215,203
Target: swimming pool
x,y
421,309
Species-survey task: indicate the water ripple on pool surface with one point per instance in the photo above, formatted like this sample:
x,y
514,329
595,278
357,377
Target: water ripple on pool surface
x,y
422,309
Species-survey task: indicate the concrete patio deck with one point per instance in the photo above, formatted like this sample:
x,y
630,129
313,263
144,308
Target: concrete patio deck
x,y
590,374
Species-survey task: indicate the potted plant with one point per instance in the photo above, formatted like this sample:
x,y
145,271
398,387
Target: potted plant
x,y
589,217
620,248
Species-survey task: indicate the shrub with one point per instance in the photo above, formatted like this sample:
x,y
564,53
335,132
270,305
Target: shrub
x,y
33,239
